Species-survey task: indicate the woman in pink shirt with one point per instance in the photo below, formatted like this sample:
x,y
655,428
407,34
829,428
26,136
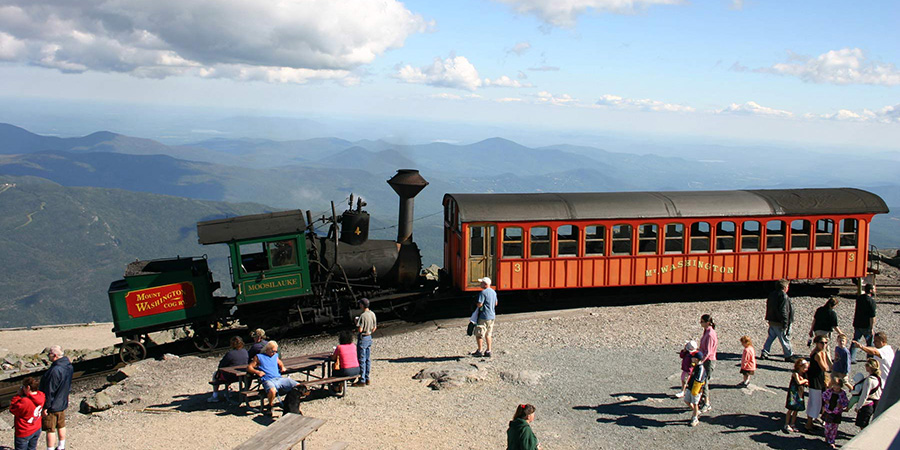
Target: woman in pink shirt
x,y
346,363
709,343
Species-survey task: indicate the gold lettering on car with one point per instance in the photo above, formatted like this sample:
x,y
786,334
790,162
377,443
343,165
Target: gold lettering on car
x,y
517,267
851,257
680,264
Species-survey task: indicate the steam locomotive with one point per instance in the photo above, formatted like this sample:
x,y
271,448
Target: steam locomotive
x,y
283,274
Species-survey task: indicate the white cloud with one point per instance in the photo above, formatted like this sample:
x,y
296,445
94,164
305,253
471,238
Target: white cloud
x,y
505,81
520,48
508,100
737,4
564,13
888,114
277,41
454,72
615,101
559,100
845,66
449,96
754,109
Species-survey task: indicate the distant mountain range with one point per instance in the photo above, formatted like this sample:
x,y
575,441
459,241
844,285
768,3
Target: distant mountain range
x,y
84,206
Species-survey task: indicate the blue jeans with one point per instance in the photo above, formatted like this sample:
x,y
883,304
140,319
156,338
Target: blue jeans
x,y
364,353
28,442
776,331
859,333
280,385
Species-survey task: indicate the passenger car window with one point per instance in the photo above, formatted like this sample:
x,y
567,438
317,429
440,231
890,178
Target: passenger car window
x,y
825,233
849,231
476,241
700,237
674,238
750,233
775,231
621,239
594,239
540,242
512,243
647,238
725,233
800,234
567,240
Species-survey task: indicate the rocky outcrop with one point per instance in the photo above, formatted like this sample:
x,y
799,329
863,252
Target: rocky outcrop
x,y
451,375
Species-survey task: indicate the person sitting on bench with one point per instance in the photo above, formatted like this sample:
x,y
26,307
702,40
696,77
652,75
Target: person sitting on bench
x,y
237,356
268,367
346,363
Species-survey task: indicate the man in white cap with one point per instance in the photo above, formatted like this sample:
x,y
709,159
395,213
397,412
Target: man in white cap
x,y
484,329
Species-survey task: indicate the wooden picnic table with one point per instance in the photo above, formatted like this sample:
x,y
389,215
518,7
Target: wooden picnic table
x,y
284,434
305,364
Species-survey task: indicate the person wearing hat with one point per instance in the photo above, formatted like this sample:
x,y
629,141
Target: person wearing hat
x,y
694,389
259,343
366,324
484,329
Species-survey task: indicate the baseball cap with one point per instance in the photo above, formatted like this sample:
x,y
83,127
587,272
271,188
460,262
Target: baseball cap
x,y
364,302
698,355
690,345
485,280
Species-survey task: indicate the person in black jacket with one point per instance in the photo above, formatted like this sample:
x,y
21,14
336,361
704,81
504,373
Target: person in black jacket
x,y
56,384
780,315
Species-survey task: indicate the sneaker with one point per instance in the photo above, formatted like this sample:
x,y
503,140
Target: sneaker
x,y
764,356
787,429
487,354
680,395
213,399
706,408
789,359
367,382
695,421
476,354
359,384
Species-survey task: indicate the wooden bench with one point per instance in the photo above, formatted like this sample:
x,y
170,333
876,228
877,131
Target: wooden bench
x,y
284,434
330,380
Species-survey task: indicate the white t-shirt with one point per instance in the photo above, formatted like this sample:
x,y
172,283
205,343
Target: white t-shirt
x,y
886,359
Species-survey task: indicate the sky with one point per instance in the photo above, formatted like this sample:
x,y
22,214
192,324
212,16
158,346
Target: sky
x,y
809,72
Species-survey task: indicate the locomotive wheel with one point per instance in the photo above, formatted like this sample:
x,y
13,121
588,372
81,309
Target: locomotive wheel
x,y
132,351
205,339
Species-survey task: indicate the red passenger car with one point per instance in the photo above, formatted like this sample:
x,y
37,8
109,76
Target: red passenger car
x,y
582,240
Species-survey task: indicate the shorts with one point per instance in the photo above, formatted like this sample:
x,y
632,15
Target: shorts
x,y
747,372
53,421
485,328
690,398
280,385
814,404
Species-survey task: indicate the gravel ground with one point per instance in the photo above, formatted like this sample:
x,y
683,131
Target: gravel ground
x,y
601,378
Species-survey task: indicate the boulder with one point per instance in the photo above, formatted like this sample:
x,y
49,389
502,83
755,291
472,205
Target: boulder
x,y
98,402
122,374
449,375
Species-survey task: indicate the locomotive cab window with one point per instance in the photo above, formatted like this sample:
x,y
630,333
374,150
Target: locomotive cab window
x,y
594,239
567,240
647,237
283,253
621,239
825,233
540,242
700,237
253,257
800,234
849,231
775,232
725,235
512,243
750,234
674,238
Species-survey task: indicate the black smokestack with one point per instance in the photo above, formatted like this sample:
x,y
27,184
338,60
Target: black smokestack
x,y
407,183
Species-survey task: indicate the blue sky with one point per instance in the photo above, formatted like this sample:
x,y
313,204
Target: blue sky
x,y
817,72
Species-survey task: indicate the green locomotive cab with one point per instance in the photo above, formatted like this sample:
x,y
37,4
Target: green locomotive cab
x,y
267,253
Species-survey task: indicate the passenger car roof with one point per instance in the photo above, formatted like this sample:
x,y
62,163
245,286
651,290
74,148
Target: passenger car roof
x,y
640,205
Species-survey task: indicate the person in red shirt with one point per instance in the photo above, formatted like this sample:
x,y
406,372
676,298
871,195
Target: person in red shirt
x,y
26,407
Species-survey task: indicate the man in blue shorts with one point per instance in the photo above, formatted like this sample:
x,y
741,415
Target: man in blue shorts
x,y
484,329
268,367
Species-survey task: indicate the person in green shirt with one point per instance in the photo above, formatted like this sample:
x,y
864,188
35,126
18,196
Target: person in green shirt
x,y
519,435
